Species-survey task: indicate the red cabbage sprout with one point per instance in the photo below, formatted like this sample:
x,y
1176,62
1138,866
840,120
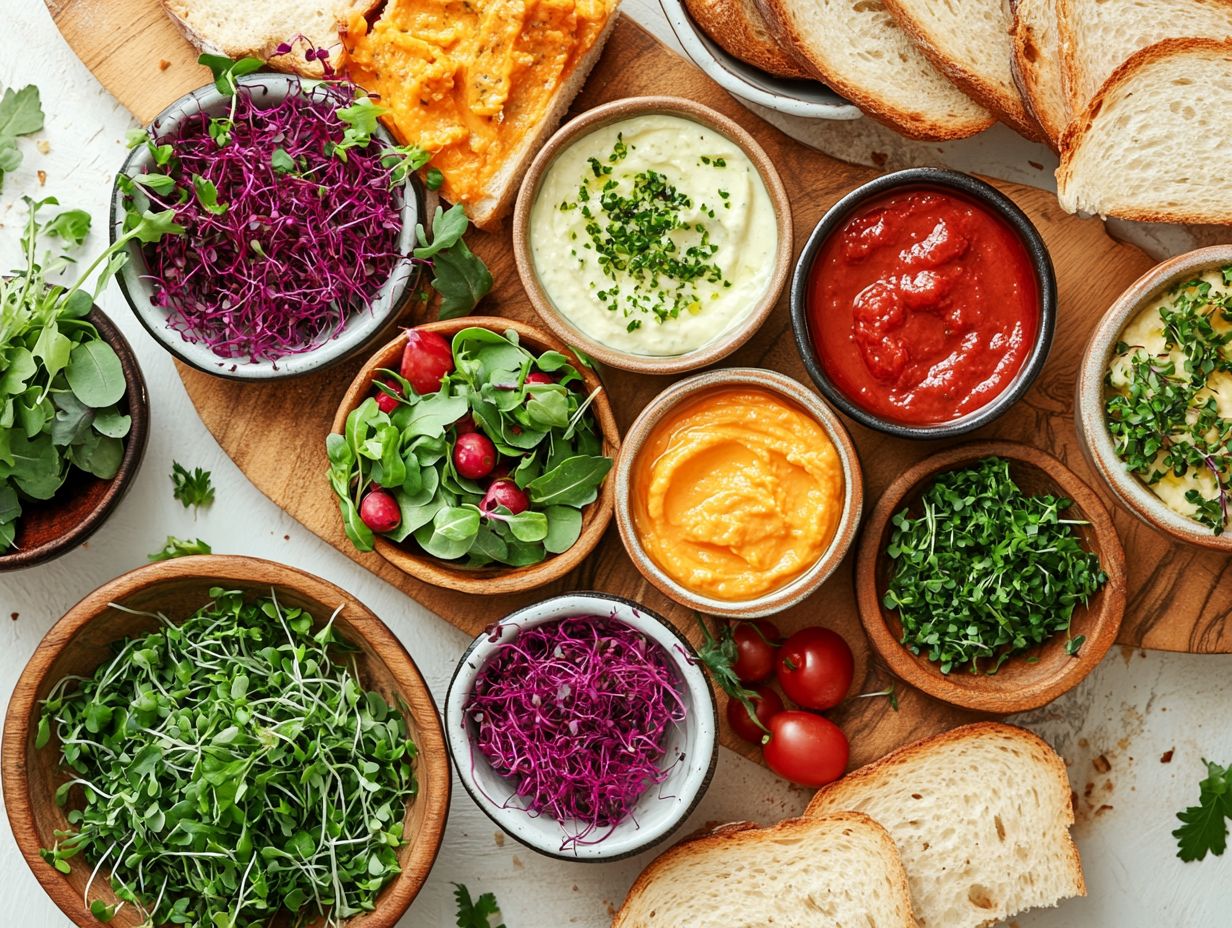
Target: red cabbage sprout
x,y
576,713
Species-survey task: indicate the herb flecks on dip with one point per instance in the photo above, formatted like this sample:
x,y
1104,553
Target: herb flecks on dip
x,y
653,235
1168,402
737,493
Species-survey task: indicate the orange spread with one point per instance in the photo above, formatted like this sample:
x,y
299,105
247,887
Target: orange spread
x,y
736,493
467,79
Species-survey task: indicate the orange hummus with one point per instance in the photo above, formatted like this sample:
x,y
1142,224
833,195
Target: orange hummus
x,y
467,80
736,493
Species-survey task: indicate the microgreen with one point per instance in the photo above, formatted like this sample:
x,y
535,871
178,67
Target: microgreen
x,y
229,767
1204,827
20,114
478,913
985,572
180,547
192,488
718,653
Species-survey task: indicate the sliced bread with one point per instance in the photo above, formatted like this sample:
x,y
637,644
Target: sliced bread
x,y
1097,35
1150,146
857,48
980,816
257,27
825,872
970,43
738,27
1037,65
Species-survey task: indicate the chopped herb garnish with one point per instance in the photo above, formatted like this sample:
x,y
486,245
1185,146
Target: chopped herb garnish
x,y
179,547
192,488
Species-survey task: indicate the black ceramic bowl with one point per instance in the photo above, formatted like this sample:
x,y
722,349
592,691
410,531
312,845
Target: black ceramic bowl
x,y
993,200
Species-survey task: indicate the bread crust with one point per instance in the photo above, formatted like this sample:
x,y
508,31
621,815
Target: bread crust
x,y
738,27
1029,76
1009,108
779,18
1073,138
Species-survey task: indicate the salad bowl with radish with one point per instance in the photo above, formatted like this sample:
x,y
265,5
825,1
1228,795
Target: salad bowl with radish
x,y
474,454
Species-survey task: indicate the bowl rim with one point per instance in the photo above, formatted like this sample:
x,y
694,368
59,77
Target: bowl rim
x,y
782,95
494,581
554,608
1097,445
617,111
138,400
996,202
360,330
910,667
18,730
812,405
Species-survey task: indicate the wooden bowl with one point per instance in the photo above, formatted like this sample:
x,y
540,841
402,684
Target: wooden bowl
x,y
794,392
50,528
1018,685
80,641
617,111
494,580
1134,495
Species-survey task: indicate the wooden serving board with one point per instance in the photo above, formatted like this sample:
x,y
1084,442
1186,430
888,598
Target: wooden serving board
x,y
1178,597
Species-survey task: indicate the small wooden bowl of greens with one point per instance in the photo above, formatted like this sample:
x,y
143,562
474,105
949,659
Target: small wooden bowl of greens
x,y
990,576
243,714
475,454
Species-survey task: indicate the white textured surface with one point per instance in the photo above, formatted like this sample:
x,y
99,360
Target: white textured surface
x,y
1134,708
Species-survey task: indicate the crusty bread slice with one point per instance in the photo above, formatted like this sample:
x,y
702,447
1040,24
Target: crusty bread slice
x,y
857,48
738,27
1037,65
826,872
980,816
1097,35
1150,145
970,43
258,27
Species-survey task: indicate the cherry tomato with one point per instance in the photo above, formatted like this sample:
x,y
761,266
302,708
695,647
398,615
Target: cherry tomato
x,y
539,377
755,646
504,493
380,511
815,668
426,359
384,402
474,455
806,749
766,703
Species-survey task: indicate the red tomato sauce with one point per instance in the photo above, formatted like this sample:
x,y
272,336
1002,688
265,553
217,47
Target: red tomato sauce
x,y
923,306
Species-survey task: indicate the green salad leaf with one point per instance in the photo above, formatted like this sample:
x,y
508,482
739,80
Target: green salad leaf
x,y
193,488
21,113
477,913
1204,827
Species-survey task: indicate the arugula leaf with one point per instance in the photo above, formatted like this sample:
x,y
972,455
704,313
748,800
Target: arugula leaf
x,y
1204,827
478,913
192,488
362,118
447,230
573,482
227,71
179,547
72,225
21,113
459,276
207,196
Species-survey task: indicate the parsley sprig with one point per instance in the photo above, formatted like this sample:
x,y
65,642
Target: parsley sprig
x,y
193,488
478,913
985,572
1204,827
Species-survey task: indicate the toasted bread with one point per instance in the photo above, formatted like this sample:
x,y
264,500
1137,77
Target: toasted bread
x,y
738,27
1037,65
857,48
980,816
1150,146
802,873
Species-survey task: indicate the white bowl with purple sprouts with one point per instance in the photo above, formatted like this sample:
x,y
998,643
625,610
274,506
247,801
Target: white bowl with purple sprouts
x,y
584,726
294,255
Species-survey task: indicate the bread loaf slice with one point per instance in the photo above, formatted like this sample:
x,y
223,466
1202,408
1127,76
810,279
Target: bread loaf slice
x,y
857,48
738,27
1097,35
824,872
980,816
970,43
1150,146
1037,65
257,27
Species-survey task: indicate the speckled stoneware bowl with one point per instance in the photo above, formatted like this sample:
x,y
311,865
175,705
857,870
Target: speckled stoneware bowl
x,y
1130,492
797,394
360,330
996,203
662,809
617,111
810,99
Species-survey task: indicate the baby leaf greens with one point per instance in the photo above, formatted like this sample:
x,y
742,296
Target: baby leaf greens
x,y
20,114
986,572
192,488
230,767
179,547
477,913
1204,827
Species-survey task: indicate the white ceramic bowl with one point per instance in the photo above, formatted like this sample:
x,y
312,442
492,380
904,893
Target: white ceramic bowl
x,y
810,99
663,808
361,329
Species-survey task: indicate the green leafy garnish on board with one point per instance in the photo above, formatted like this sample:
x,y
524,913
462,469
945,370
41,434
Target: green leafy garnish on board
x,y
718,653
459,276
180,547
192,488
230,767
20,114
1164,419
985,572
478,913
1204,827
